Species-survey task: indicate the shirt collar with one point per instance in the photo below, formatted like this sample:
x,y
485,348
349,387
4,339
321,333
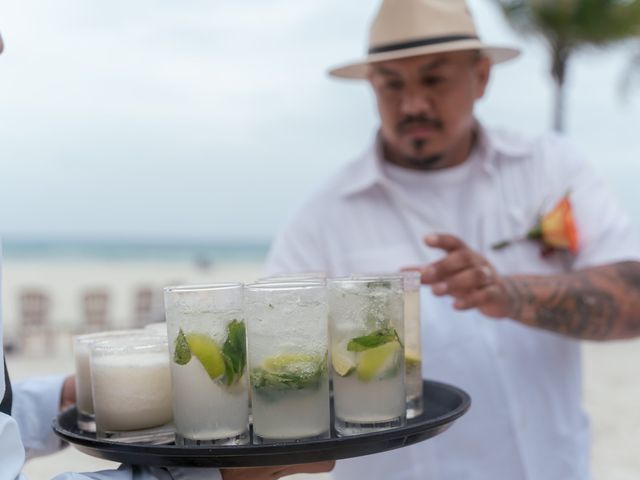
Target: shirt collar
x,y
492,146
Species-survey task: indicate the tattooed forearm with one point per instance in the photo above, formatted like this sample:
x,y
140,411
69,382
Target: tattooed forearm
x,y
598,303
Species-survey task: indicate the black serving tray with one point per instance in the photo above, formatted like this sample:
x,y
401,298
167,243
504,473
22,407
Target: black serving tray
x,y
443,404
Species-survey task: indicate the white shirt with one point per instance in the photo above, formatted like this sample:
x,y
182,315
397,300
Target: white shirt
x,y
27,433
526,420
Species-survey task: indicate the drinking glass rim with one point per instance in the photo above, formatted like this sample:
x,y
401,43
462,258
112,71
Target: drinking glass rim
x,y
100,336
141,343
364,279
203,287
295,276
410,278
279,285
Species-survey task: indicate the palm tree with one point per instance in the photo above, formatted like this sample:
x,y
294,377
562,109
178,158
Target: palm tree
x,y
631,76
570,25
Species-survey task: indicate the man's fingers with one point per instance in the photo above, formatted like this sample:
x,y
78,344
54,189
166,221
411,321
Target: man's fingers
x,y
455,262
444,242
318,467
273,473
477,298
464,282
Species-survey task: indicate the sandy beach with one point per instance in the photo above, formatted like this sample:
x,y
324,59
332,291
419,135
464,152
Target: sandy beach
x,y
612,391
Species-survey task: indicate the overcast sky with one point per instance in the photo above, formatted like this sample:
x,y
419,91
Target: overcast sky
x,y
205,119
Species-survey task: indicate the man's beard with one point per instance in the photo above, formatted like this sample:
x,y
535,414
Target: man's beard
x,y
418,160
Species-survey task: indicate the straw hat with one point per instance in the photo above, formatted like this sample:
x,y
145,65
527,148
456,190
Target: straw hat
x,y
409,28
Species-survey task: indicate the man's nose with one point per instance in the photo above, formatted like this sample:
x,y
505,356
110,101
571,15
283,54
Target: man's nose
x,y
416,101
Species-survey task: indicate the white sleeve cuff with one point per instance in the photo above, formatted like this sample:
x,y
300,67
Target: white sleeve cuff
x,y
36,402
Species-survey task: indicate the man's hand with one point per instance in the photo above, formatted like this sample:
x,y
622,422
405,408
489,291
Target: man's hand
x,y
598,303
273,473
466,276
68,394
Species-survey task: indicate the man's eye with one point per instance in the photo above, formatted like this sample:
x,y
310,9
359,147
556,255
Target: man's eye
x,y
433,81
393,85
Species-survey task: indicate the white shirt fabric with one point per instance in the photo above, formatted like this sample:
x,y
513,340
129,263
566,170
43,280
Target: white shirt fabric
x,y
526,420
27,433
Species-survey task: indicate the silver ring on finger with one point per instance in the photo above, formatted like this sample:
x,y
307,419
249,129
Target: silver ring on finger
x,y
487,274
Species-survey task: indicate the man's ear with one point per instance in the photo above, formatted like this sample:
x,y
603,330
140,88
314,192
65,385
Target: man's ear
x,y
482,75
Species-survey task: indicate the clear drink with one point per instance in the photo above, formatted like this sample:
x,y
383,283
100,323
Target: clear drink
x,y
367,353
158,328
131,388
413,344
288,342
82,356
207,339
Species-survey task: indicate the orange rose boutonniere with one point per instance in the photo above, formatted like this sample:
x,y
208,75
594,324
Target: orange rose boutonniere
x,y
555,231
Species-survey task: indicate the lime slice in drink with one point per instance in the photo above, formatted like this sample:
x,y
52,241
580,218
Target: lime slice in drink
x,y
291,362
375,361
343,364
412,359
208,352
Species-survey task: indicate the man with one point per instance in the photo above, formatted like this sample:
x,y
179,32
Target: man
x,y
434,192
26,413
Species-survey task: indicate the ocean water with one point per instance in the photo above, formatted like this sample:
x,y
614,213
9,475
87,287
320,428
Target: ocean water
x,y
199,252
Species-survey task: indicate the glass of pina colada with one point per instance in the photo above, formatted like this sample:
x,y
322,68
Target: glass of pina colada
x,y
208,353
82,356
288,342
413,344
131,387
366,320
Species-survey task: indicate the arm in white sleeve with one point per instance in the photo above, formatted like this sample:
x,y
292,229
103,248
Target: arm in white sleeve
x,y
12,457
36,402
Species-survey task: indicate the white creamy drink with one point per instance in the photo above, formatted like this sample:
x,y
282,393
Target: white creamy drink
x,y
82,356
131,384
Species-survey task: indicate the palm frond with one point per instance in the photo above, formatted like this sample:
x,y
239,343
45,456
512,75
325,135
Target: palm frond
x,y
575,23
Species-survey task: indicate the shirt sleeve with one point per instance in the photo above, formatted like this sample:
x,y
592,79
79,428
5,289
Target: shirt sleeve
x,y
36,402
605,231
13,455
12,458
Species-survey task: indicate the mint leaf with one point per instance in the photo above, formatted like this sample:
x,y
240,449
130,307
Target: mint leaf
x,y
234,352
379,284
375,339
182,353
290,378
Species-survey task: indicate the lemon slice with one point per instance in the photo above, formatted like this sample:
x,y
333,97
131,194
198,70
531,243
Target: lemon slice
x,y
343,364
208,352
289,362
375,361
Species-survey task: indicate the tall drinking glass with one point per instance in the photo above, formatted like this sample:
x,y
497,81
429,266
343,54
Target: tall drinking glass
x,y
131,388
288,342
366,320
413,344
82,356
207,339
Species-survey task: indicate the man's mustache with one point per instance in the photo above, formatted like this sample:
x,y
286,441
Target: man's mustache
x,y
421,120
